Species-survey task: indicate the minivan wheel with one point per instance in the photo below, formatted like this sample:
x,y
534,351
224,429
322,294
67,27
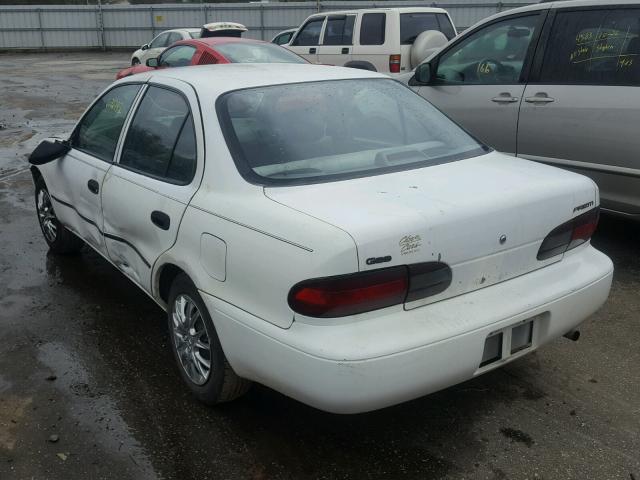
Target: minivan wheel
x,y
196,347
57,236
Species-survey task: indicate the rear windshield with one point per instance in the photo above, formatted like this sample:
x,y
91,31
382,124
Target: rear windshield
x,y
238,52
331,130
413,24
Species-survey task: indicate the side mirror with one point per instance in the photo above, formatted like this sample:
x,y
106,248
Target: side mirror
x,y
48,151
423,74
152,62
144,47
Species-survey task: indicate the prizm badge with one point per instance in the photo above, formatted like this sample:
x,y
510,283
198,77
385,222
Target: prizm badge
x,y
374,260
583,206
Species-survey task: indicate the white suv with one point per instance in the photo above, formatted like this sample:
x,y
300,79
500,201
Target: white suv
x,y
378,39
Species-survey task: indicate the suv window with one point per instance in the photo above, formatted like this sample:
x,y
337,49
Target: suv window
x,y
178,56
339,30
160,41
600,47
310,33
413,24
99,130
372,28
161,140
494,54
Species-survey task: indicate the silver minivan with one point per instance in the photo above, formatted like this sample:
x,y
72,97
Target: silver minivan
x,y
554,82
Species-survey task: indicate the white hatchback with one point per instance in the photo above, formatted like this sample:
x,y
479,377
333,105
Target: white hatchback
x,y
321,230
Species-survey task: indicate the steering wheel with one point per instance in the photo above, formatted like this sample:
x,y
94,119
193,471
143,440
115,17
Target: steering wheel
x,y
488,69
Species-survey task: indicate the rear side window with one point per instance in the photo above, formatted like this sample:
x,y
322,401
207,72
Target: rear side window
x,y
413,24
339,30
594,47
310,32
99,130
161,139
372,28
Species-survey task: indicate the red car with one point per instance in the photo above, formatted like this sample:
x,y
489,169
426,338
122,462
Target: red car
x,y
207,51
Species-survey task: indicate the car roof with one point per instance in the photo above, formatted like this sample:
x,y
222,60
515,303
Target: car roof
x,y
556,5
214,80
385,9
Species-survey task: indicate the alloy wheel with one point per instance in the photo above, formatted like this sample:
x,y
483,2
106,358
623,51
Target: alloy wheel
x,y
191,339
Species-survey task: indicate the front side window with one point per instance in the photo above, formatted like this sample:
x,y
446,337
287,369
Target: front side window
x,y
494,54
241,52
309,34
161,140
595,47
173,38
339,30
372,27
178,56
99,130
160,41
195,34
329,130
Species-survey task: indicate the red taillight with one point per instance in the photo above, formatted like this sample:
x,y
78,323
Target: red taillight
x,y
570,234
362,292
394,63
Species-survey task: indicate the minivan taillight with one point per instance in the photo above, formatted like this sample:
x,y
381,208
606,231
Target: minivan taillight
x,y
361,292
570,234
394,63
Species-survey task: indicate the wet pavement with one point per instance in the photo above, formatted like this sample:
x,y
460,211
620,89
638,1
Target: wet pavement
x,y
84,357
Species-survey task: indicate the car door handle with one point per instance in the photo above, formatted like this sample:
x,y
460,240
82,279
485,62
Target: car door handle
x,y
345,50
93,186
312,50
161,220
505,98
539,98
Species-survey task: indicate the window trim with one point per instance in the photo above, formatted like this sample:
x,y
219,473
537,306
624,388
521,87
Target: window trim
x,y
130,121
538,60
315,18
75,130
338,16
542,15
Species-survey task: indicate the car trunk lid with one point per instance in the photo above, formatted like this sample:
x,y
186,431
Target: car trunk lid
x,y
485,217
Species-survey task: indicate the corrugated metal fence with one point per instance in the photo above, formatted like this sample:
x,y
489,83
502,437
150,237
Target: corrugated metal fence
x,y
113,26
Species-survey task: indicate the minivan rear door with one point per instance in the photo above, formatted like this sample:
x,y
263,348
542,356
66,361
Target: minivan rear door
x,y
337,40
581,109
479,80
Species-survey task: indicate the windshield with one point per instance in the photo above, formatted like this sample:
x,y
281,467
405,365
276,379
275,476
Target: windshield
x,y
239,52
330,130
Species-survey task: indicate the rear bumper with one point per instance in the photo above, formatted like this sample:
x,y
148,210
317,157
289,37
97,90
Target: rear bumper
x,y
396,355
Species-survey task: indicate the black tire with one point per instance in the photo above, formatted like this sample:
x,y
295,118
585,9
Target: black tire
x,y
222,383
63,241
135,62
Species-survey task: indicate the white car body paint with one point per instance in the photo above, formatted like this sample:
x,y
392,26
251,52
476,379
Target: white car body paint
x,y
263,240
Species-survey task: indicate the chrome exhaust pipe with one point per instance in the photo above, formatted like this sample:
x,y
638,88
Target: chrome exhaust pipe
x,y
573,335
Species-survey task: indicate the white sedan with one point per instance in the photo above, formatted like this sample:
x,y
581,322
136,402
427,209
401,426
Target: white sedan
x,y
321,230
